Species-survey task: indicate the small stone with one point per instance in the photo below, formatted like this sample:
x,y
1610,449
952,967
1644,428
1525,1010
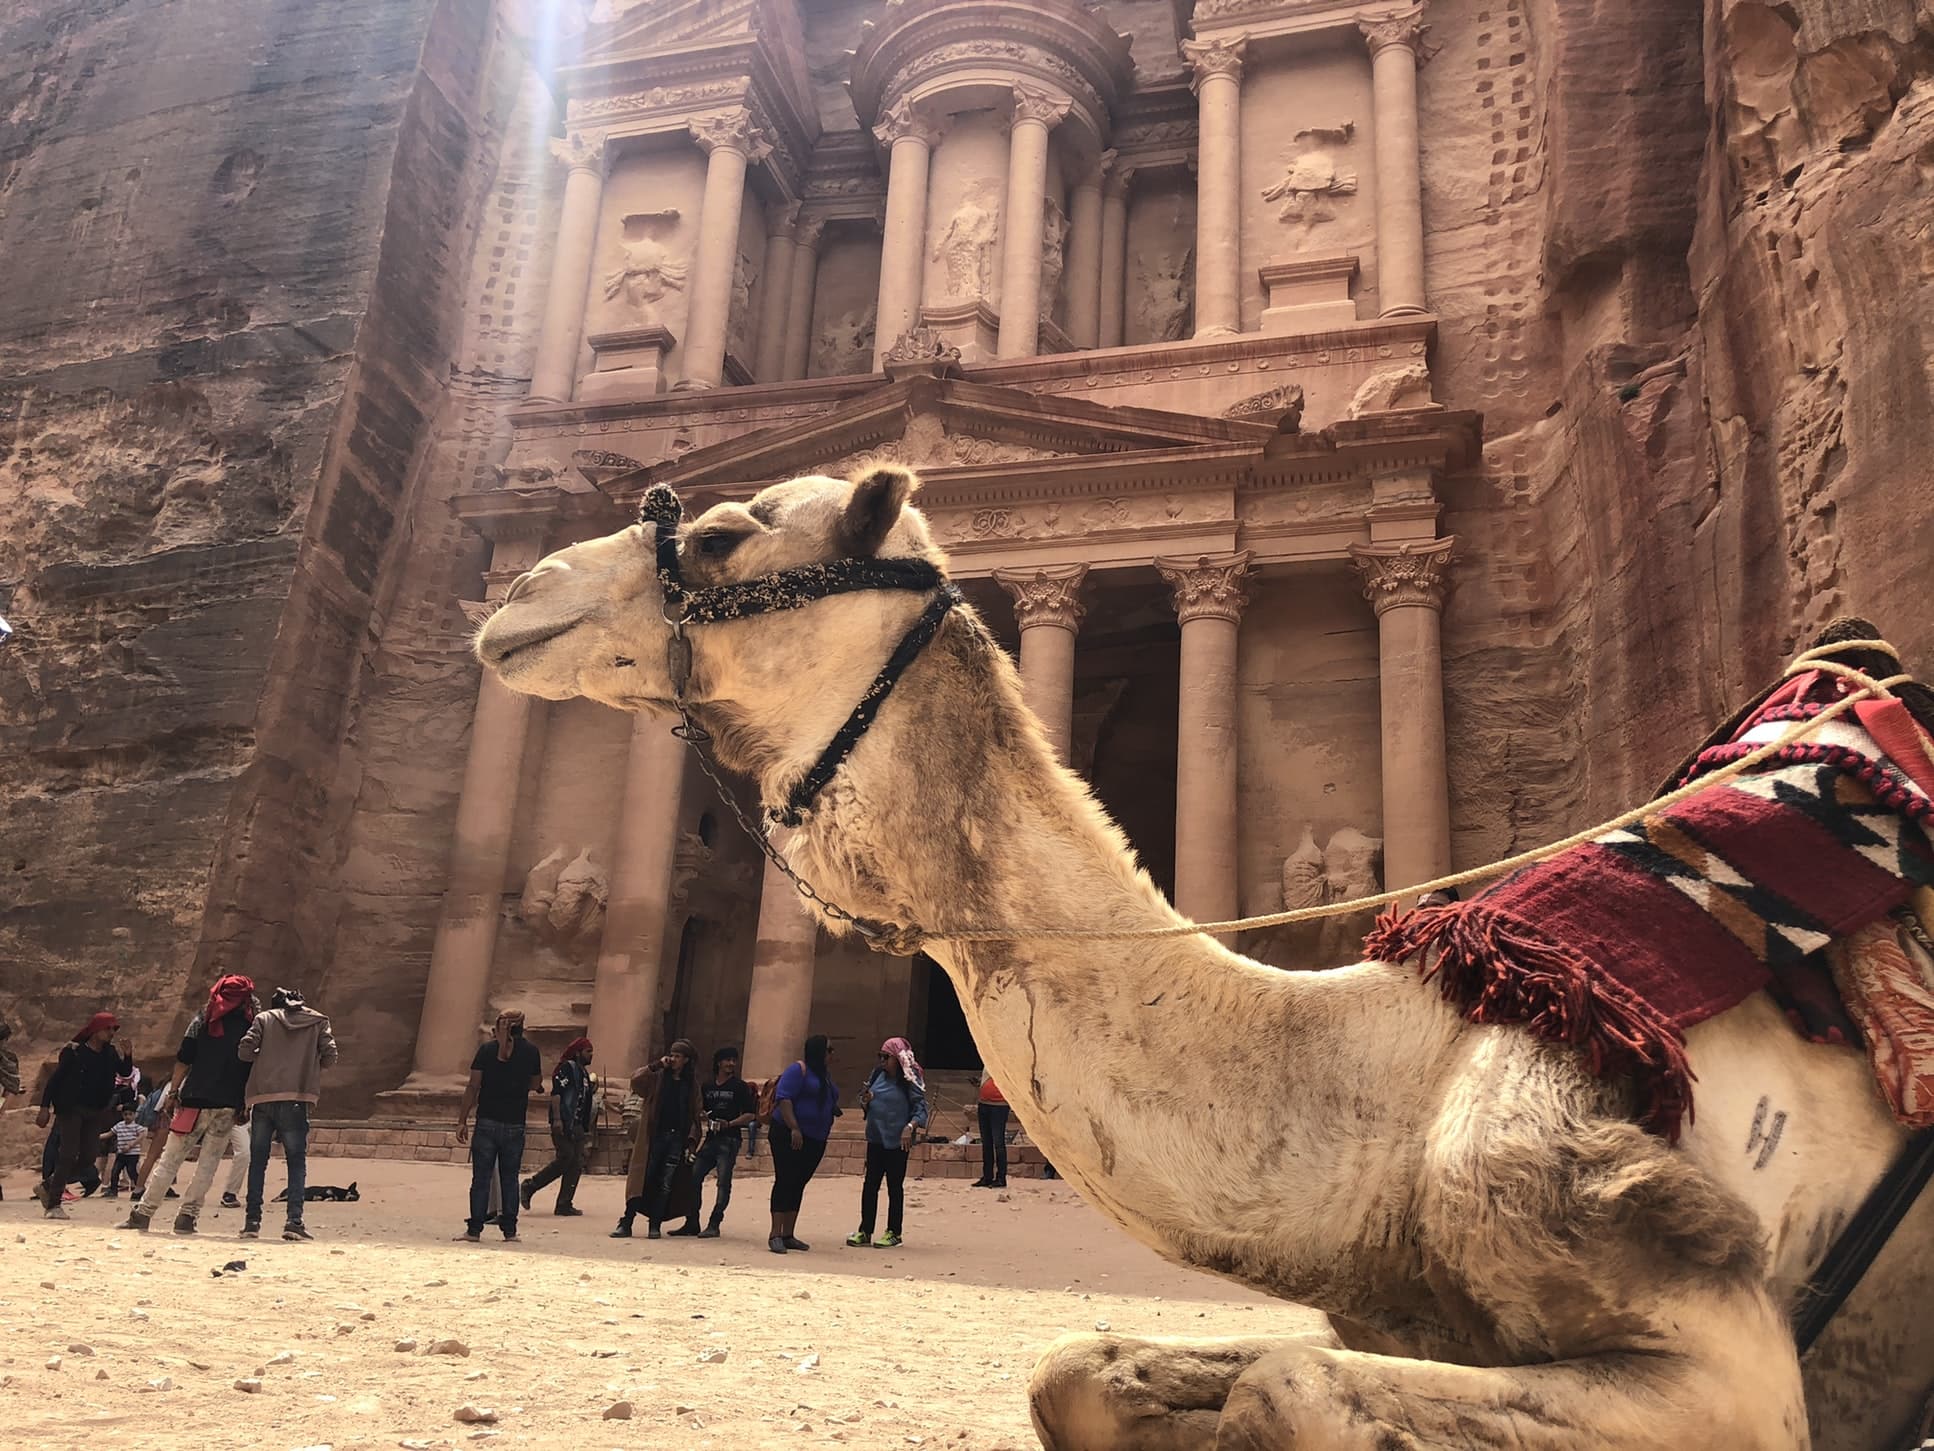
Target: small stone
x,y
249,1385
807,1365
715,1357
1101,1324
618,1411
684,1410
46,1284
407,1343
77,1348
602,1354
100,1375
434,1284
1003,1197
804,1295
160,1383
448,1346
137,1314
282,1357
53,1362
367,1315
476,1415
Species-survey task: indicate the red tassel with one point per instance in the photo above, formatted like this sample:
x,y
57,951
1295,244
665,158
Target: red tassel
x,y
1500,969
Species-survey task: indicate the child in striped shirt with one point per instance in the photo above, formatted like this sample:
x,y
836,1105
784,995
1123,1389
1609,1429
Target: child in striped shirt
x,y
127,1152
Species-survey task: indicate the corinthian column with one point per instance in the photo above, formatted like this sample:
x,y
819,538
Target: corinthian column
x,y
1210,592
909,138
631,963
1084,258
782,978
554,370
473,894
1114,251
731,142
1400,198
1218,188
770,359
1024,222
1405,583
799,301
1047,602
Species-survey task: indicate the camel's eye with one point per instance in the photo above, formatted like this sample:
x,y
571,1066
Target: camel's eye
x,y
716,545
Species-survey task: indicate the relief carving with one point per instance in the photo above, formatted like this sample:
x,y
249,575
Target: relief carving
x,y
965,247
648,268
1282,406
1030,58
1313,177
745,273
1349,866
845,345
926,444
563,903
659,98
1054,254
1165,295
1405,387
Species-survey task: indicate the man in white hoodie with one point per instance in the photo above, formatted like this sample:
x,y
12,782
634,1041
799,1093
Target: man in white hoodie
x,y
290,1045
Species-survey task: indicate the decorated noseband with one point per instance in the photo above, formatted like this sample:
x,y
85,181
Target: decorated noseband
x,y
790,589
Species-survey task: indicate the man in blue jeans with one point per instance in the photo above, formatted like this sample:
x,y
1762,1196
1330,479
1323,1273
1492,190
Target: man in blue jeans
x,y
289,1045
503,1076
729,1104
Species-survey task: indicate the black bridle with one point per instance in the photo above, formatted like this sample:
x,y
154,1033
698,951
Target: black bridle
x,y
788,589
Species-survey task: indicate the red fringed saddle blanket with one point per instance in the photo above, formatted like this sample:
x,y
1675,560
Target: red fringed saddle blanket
x,y
1619,945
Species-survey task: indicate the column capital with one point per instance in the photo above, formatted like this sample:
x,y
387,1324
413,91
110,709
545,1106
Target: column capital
x,y
1207,586
732,130
1406,30
902,121
581,151
809,231
1117,176
783,221
1219,57
1048,595
1043,106
1411,573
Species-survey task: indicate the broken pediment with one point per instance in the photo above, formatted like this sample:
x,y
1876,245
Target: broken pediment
x,y
939,424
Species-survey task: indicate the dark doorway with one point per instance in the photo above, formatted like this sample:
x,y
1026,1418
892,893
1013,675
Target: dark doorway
x,y
947,1043
680,1007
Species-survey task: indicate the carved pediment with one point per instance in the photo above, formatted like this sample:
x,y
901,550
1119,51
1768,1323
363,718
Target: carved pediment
x,y
927,444
619,32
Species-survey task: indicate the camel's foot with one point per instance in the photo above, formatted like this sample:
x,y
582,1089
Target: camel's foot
x,y
1114,1393
1732,1384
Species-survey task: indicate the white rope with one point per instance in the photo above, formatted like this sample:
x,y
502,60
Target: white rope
x,y
1815,659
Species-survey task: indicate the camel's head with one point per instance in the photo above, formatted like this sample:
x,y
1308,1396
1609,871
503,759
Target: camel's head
x,y
590,620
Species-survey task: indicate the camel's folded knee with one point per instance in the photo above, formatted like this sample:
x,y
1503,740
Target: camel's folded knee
x,y
1112,1393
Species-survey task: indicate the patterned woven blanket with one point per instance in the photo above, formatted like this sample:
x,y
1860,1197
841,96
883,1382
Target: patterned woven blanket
x,y
1619,945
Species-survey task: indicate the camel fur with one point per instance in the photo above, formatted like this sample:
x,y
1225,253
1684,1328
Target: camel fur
x,y
1506,1260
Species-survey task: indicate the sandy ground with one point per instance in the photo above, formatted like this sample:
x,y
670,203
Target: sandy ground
x,y
112,1337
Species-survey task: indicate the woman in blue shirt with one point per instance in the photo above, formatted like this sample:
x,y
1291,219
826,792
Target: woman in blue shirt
x,y
804,1105
895,1100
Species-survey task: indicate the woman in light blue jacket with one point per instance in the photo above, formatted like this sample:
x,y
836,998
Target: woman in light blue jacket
x,y
895,1100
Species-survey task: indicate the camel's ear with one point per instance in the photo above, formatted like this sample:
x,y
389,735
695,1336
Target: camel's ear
x,y
878,496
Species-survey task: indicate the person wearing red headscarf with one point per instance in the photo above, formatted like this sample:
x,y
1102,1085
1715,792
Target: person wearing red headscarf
x,y
207,1090
78,1098
572,1108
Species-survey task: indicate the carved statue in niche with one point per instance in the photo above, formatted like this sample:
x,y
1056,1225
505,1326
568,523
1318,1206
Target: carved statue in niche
x,y
647,269
1404,387
563,903
1348,866
965,246
1165,295
1312,178
745,274
1054,254
845,345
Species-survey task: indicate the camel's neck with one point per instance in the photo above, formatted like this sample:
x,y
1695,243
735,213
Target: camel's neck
x,y
1160,1075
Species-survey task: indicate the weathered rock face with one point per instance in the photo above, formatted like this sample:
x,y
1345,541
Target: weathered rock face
x,y
229,232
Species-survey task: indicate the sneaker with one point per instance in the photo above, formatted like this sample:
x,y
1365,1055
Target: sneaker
x,y
251,1229
776,1245
57,1212
184,1224
711,1231
469,1236
889,1240
623,1231
524,1192
138,1218
792,1243
567,1211
110,1194
859,1239
295,1231
512,1238
229,1201
172,1195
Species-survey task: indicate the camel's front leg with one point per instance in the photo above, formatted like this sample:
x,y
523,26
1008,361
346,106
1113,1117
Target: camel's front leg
x,y
1114,1393
1725,1380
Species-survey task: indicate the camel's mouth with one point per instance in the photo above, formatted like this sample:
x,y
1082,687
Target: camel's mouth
x,y
498,648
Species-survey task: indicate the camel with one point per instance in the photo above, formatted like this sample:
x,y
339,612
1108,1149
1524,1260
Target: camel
x,y
1506,1259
